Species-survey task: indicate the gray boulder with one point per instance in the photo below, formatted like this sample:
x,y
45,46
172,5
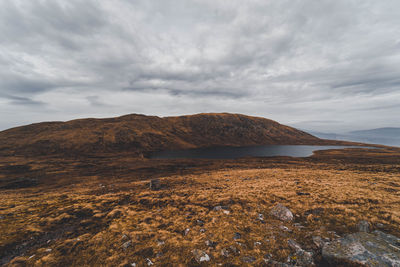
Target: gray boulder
x,y
370,249
200,256
281,212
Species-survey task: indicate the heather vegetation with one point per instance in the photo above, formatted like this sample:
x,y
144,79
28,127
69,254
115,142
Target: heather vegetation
x,y
104,211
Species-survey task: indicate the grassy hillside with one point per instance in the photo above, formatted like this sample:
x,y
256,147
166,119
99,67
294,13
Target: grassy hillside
x,y
140,134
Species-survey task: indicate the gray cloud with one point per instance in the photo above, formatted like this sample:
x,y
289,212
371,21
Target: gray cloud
x,y
95,101
298,61
25,101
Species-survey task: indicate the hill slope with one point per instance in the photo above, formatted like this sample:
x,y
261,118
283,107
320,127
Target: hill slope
x,y
140,134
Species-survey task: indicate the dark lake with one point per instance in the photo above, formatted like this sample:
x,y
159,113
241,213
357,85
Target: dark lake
x,y
240,152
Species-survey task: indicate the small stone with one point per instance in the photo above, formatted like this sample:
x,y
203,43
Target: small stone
x,y
237,236
363,226
210,243
248,259
149,262
133,264
225,252
202,230
127,244
200,256
282,213
379,225
260,217
284,228
226,212
218,208
160,242
124,237
30,257
200,222
257,243
187,230
48,250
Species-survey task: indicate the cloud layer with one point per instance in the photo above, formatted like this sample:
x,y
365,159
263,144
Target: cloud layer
x,y
301,62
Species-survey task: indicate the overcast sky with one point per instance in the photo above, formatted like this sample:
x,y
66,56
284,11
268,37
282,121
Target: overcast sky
x,y
320,65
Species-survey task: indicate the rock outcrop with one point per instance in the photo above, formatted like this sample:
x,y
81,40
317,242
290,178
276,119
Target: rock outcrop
x,y
370,249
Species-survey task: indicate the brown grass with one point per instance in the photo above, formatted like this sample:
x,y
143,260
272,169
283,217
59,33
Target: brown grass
x,y
86,222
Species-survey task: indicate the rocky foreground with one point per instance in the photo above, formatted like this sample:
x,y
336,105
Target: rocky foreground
x,y
320,211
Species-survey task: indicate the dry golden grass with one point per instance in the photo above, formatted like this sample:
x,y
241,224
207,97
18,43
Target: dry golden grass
x,y
87,223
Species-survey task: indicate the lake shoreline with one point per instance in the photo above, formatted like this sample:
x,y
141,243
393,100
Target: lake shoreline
x,y
247,151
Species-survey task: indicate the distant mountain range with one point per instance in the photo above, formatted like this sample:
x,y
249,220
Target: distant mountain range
x,y
385,136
